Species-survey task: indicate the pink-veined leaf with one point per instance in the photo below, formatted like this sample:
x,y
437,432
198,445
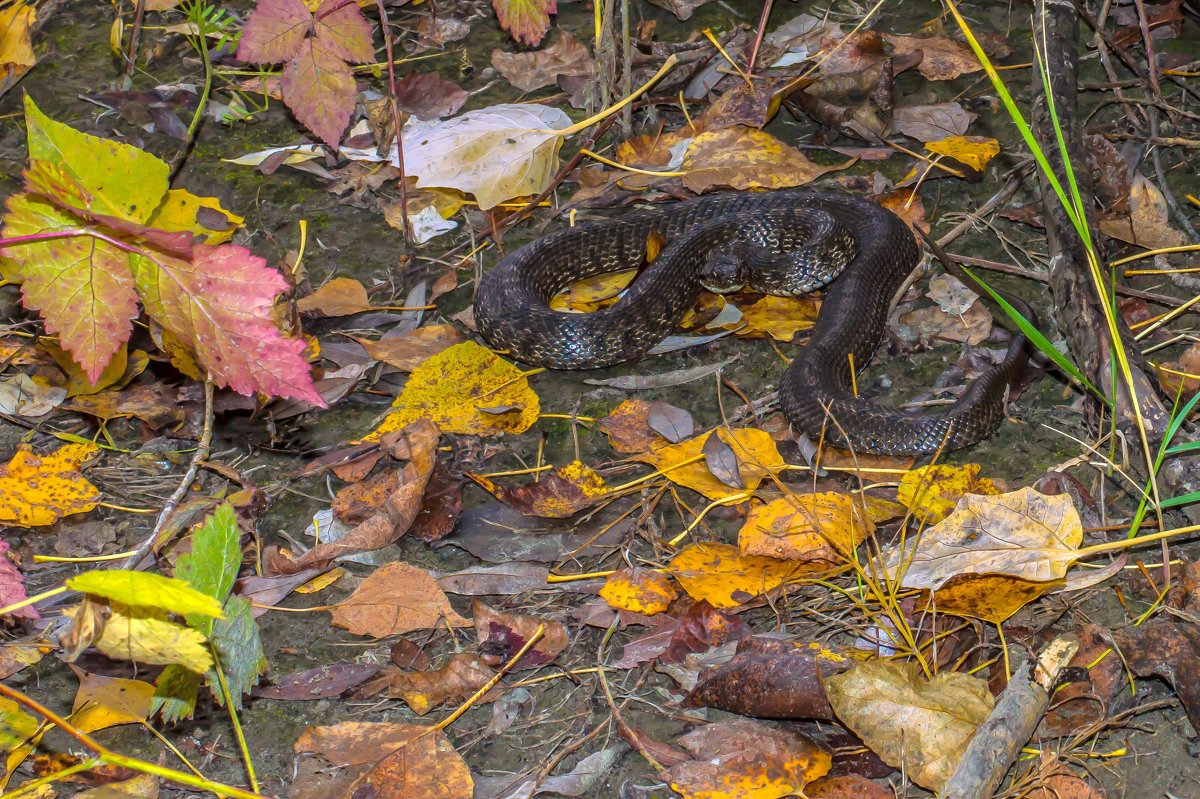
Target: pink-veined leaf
x,y
220,303
82,286
319,88
526,20
344,32
275,31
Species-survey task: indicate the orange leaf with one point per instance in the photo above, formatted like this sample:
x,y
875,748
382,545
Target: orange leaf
x,y
932,492
36,491
396,599
723,577
818,529
639,590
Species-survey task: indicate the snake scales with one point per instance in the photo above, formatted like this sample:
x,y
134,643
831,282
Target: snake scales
x,y
784,242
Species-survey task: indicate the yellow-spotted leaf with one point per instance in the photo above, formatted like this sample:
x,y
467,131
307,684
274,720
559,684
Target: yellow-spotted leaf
x,y
722,576
932,492
465,389
38,490
684,463
146,589
990,597
974,151
818,529
639,590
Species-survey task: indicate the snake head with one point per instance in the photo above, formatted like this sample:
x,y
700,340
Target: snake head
x,y
723,272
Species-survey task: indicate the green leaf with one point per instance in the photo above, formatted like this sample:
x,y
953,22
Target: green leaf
x,y
239,651
175,693
143,589
212,565
120,180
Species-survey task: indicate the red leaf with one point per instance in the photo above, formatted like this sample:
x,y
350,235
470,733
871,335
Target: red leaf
x,y
526,20
275,31
319,88
343,31
82,286
220,303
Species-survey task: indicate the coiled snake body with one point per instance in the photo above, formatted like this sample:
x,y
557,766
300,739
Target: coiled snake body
x,y
784,242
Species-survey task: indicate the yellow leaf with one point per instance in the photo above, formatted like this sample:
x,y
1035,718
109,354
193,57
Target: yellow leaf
x,y
818,529
781,318
39,490
181,210
724,578
146,636
103,702
639,590
990,597
593,293
456,388
143,786
1022,534
756,454
564,493
741,157
15,725
322,581
146,589
16,46
908,720
931,492
974,151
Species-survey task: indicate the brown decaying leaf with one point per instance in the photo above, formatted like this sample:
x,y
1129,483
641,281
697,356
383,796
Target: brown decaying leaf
x,y
722,461
932,323
429,96
743,757
1148,224
921,725
395,599
746,158
565,492
847,786
501,635
409,350
773,679
535,70
928,122
945,59
858,52
628,428
410,761
392,501
440,506
454,681
341,296
319,683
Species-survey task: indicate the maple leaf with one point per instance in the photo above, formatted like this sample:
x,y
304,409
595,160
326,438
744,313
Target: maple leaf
x,y
275,31
220,302
526,20
319,89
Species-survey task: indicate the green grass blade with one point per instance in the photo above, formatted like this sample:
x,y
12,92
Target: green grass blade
x,y
1185,499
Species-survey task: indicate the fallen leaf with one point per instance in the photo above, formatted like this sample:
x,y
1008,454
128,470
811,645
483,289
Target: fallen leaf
x,y
341,296
673,424
628,428
324,682
745,758
453,388
920,725
1148,223
974,151
408,351
143,786
848,786
817,529
930,324
103,702
36,491
16,45
495,153
639,590
931,122
1023,534
723,577
593,293
754,449
746,158
563,493
395,599
501,635
945,59
932,492
533,70
455,681
722,461
680,8
427,95
781,318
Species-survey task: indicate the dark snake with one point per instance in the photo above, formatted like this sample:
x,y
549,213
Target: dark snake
x,y
784,242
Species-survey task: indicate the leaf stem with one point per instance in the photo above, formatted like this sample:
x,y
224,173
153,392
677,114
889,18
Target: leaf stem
x,y
612,109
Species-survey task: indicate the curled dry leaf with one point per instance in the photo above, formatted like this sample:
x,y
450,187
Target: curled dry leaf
x,y
453,388
639,590
741,757
756,455
932,492
911,722
723,577
534,70
817,529
454,681
395,599
564,493
501,635
1148,222
1022,534
628,428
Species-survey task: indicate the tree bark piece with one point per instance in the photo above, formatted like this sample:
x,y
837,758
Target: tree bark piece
x,y
998,741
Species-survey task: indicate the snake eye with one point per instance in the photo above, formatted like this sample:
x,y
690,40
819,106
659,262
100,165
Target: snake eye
x,y
723,273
